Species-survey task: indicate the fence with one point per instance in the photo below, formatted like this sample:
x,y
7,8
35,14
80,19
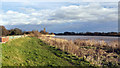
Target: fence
x,y
7,38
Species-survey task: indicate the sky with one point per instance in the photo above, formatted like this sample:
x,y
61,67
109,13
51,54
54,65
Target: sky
x,y
74,16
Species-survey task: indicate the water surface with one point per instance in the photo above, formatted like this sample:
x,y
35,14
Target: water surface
x,y
98,38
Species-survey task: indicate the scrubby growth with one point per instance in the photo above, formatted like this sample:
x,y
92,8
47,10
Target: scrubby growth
x,y
97,52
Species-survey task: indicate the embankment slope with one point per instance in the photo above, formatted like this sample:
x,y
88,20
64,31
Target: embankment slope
x,y
30,51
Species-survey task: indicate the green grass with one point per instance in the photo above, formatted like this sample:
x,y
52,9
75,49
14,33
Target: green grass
x,y
31,51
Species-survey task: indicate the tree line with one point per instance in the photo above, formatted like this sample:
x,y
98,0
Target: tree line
x,y
91,33
17,31
5,32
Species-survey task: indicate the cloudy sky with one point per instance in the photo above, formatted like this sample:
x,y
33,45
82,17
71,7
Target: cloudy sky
x,y
60,16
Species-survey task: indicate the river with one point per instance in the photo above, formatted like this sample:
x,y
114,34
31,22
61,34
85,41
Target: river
x,y
105,38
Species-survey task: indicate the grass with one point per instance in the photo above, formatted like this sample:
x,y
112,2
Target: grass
x,y
74,60
30,51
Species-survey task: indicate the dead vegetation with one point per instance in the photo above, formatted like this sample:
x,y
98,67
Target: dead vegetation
x,y
97,52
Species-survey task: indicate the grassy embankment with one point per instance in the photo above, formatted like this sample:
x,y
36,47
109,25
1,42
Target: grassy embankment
x,y
30,51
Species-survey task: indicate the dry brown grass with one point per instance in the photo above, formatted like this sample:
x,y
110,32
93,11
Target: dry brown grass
x,y
97,52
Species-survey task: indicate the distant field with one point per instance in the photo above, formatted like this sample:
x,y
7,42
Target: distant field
x,y
30,51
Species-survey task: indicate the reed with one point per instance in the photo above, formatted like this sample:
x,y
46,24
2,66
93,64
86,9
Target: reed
x,y
97,52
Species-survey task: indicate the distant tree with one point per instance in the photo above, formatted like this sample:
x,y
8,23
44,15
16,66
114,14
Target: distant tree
x,y
27,32
67,33
12,33
15,31
0,31
119,34
52,33
18,31
72,33
4,31
96,33
88,33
